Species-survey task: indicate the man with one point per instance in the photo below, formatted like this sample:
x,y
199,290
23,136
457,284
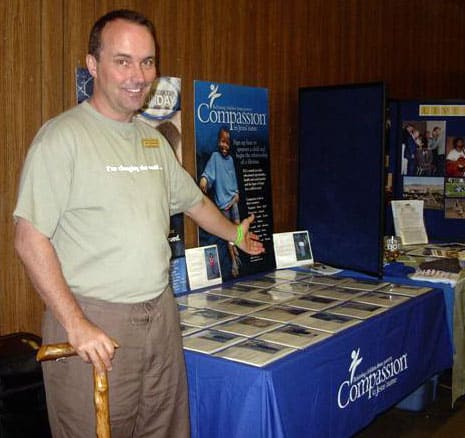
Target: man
x,y
411,135
424,159
455,160
92,216
437,146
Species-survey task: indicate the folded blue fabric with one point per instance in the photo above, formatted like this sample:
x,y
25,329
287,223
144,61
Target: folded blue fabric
x,y
397,269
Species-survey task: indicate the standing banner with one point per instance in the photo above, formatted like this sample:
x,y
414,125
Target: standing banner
x,y
233,167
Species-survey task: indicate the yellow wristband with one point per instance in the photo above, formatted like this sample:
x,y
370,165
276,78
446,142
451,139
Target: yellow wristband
x,y
239,236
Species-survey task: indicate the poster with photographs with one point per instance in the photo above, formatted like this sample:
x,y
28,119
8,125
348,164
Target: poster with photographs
x,y
432,159
233,167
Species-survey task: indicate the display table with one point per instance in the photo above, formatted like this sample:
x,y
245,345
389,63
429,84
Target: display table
x,y
447,290
454,299
331,389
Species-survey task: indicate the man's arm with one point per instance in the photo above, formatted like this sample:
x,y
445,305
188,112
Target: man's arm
x,y
44,269
207,216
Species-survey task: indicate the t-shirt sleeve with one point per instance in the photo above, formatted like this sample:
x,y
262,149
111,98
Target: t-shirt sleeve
x,y
45,183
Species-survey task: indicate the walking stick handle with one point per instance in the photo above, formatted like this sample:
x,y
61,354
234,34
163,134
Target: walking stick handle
x,y
55,351
101,402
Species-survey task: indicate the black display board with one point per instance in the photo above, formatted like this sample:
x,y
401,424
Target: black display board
x,y
341,174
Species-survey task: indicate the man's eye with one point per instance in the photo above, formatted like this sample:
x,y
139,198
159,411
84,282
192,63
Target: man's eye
x,y
122,62
149,62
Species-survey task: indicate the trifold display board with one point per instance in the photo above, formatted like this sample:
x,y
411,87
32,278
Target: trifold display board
x,y
428,162
341,174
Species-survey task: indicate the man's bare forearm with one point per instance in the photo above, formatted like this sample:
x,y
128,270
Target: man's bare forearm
x,y
44,270
207,216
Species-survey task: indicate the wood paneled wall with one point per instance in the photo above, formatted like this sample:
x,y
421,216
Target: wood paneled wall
x,y
416,46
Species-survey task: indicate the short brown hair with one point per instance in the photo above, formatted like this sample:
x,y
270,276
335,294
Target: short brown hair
x,y
95,37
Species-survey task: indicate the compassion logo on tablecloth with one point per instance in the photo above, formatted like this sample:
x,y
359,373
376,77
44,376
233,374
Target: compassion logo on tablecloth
x,y
372,381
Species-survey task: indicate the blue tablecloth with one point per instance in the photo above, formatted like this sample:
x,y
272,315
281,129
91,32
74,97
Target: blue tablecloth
x,y
313,393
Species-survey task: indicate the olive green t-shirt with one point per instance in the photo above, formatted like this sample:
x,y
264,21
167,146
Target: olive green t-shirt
x,y
103,192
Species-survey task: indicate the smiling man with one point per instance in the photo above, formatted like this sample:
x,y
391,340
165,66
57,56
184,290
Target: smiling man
x,y
92,223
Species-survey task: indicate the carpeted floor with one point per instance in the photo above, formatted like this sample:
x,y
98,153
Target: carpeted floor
x,y
437,420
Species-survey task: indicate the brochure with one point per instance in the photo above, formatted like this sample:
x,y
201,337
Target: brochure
x,y
210,341
248,326
238,306
354,283
438,250
271,296
313,302
281,313
203,317
322,269
288,274
294,336
236,290
199,300
405,289
435,276
203,267
337,292
255,352
299,287
357,309
409,224
326,280
327,322
292,249
381,299
189,329
262,282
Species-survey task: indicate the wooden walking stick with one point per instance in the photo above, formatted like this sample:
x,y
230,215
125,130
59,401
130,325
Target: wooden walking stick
x,y
102,411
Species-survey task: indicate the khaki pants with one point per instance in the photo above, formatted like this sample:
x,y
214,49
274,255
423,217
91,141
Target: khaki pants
x,y
148,389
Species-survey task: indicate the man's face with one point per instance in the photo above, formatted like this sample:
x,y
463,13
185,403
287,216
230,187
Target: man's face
x,y
125,70
459,145
224,143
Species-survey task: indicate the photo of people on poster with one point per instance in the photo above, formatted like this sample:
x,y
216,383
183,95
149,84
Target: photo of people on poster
x,y
423,147
219,179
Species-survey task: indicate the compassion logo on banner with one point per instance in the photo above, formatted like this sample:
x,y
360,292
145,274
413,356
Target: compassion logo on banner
x,y
238,119
371,382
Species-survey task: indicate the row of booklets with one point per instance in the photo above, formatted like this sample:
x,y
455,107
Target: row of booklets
x,y
260,320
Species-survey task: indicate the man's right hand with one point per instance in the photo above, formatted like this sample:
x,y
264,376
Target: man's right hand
x,y
92,344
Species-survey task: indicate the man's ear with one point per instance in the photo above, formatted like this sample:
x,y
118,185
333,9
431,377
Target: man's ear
x,y
91,63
